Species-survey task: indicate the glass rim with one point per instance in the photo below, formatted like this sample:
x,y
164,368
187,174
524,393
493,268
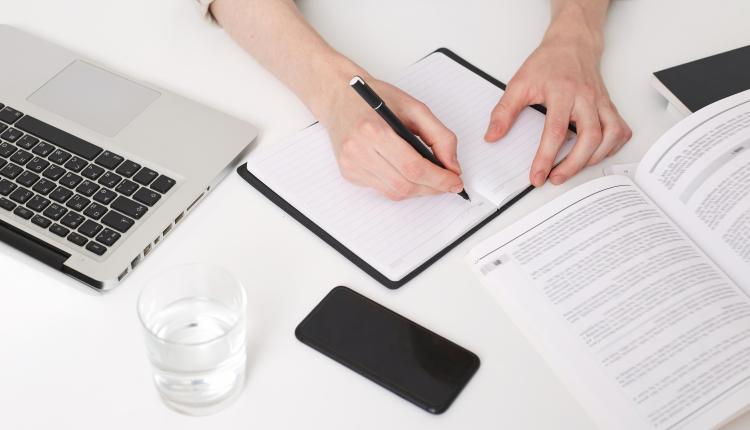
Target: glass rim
x,y
149,283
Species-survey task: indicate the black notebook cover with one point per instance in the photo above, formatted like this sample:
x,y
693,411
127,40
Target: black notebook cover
x,y
699,83
354,258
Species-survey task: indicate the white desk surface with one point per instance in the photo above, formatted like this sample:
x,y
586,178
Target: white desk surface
x,y
69,359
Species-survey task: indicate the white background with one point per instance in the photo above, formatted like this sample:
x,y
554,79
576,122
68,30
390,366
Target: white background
x,y
71,359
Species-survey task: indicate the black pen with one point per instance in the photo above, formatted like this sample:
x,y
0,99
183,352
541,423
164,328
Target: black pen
x,y
375,102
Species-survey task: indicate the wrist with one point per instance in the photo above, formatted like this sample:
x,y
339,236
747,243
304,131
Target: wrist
x,y
573,24
329,81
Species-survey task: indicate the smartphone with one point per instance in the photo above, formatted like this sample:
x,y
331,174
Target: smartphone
x,y
390,350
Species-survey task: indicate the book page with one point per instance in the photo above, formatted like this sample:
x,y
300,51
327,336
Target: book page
x,y
396,237
699,174
645,331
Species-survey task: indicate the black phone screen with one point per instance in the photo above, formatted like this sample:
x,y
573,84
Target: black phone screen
x,y
385,347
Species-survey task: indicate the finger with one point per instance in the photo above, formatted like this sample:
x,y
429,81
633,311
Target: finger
x,y
415,168
615,133
555,130
422,122
589,139
505,112
390,181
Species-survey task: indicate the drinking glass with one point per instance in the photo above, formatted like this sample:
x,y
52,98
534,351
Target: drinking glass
x,y
194,322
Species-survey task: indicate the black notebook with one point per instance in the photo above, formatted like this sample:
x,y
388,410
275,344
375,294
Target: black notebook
x,y
395,241
697,84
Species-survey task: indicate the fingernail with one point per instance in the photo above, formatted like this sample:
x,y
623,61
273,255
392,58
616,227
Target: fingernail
x,y
539,179
558,179
457,188
492,129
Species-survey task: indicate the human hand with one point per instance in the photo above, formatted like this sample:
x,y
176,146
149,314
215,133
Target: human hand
x,y
371,154
563,74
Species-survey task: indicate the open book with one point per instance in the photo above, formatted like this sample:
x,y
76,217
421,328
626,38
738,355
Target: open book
x,y
394,241
638,293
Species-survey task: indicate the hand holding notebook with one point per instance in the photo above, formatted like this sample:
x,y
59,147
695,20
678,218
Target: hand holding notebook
x,y
394,241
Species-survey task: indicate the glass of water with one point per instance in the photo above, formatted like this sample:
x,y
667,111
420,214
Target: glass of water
x,y
194,322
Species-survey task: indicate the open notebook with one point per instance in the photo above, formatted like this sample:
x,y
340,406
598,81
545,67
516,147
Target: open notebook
x,y
395,241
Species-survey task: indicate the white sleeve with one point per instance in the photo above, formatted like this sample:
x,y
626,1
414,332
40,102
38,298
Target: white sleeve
x,y
203,8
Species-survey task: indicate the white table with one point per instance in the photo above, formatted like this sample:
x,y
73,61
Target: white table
x,y
72,359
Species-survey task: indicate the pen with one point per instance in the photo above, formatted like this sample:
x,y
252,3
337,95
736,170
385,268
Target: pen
x,y
375,102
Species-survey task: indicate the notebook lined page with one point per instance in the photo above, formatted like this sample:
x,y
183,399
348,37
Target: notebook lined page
x,y
463,102
393,237
396,237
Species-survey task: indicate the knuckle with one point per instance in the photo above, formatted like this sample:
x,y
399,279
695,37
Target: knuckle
x,y
413,170
367,126
420,107
393,196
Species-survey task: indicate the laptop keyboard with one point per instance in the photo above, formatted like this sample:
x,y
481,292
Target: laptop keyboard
x,y
71,187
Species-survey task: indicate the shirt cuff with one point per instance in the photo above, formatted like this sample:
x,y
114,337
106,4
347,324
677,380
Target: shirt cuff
x,y
203,8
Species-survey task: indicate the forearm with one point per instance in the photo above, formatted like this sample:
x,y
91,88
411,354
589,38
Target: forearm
x,y
579,21
277,36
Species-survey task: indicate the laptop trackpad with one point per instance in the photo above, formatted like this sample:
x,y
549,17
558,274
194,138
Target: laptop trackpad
x,y
94,97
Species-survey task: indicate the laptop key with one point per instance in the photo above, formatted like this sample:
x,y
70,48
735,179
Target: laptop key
x,y
21,195
6,149
108,159
43,149
7,204
128,168
72,220
109,179
145,176
59,156
96,248
108,237
70,180
55,211
89,228
60,194
44,186
27,178
76,164
2,162
77,239
37,203
78,202
129,207
11,171
60,138
146,196
41,221
21,157
105,196
23,212
3,126
162,184
10,115
126,187
87,188
92,172
59,230
11,134
6,187
54,172
117,221
27,141
37,164
95,211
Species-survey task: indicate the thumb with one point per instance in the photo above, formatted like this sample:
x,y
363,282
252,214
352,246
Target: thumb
x,y
505,113
437,136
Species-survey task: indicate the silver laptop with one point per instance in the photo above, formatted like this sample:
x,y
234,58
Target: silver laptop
x,y
96,168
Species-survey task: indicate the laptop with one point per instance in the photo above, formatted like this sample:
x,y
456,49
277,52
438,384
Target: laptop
x,y
97,168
